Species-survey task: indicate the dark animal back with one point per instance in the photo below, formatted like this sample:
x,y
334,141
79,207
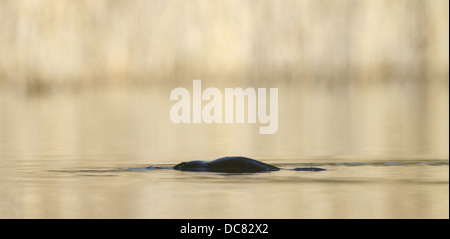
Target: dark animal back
x,y
239,164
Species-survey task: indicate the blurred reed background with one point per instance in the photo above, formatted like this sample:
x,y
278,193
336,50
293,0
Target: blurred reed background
x,y
62,44
86,84
355,77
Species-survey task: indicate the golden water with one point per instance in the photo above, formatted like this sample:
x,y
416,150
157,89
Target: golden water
x,y
362,85
385,148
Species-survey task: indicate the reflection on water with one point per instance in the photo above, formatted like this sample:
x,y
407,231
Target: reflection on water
x,y
362,91
385,147
377,121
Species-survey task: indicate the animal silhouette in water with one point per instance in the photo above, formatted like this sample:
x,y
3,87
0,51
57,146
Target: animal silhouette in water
x,y
236,164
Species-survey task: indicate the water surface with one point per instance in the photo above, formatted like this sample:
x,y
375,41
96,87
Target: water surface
x,y
416,189
385,148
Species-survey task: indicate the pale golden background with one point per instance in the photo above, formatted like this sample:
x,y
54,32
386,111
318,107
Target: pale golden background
x,y
60,43
86,84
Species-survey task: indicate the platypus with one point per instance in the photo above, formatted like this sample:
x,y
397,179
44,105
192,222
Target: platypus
x,y
235,164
